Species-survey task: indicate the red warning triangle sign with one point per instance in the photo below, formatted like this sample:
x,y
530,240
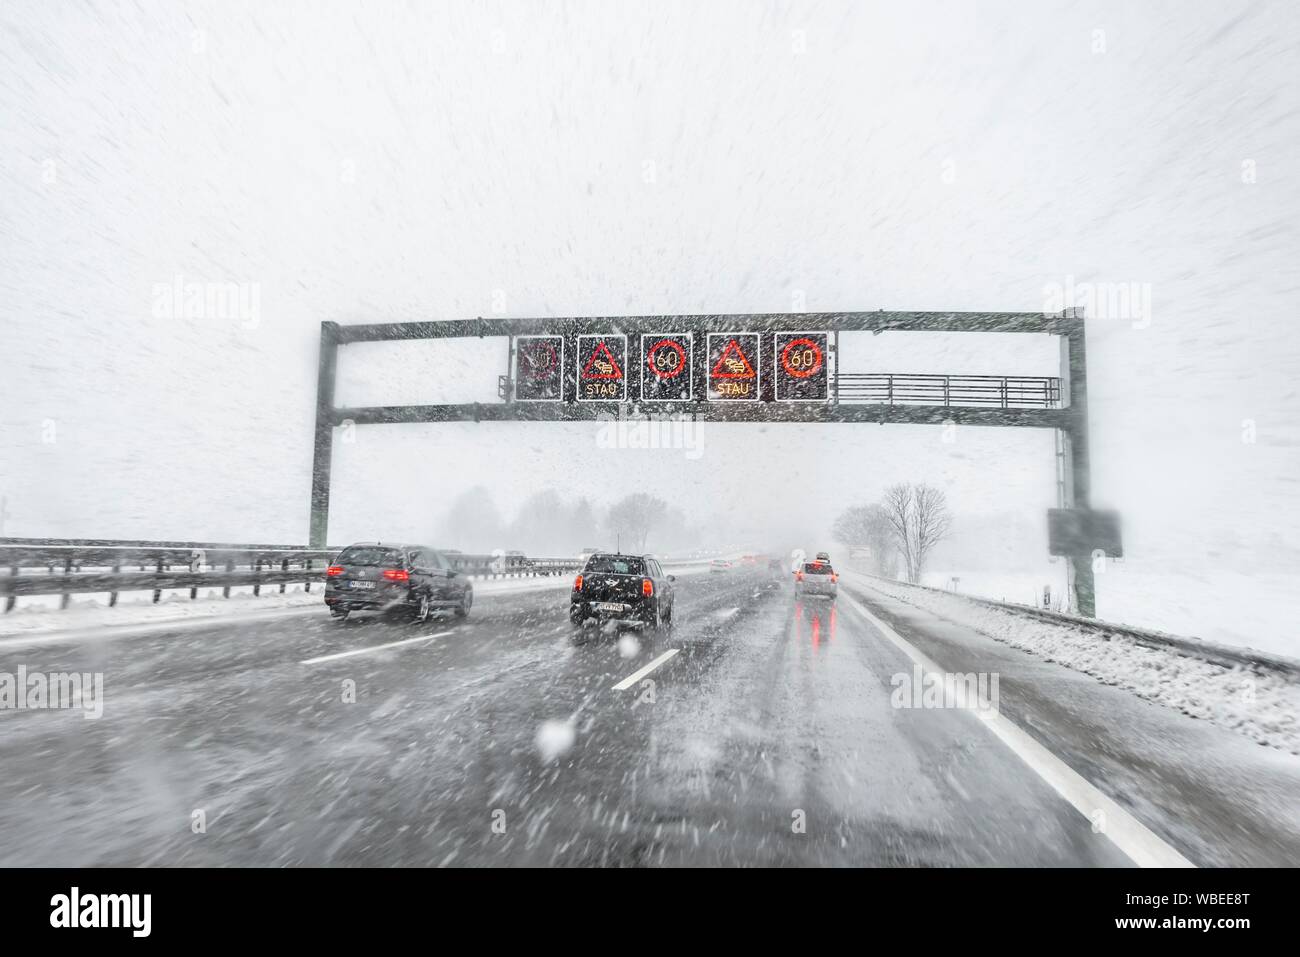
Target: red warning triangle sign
x,y
733,364
606,365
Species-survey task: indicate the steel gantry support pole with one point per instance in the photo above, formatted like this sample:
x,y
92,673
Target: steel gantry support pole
x,y
323,456
1078,481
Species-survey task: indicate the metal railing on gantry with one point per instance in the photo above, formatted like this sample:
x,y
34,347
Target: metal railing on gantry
x,y
981,391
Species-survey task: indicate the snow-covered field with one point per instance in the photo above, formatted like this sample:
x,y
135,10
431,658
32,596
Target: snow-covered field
x,y
1263,707
1258,610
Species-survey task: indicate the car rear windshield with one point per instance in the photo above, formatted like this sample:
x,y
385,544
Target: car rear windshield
x,y
817,568
615,565
370,556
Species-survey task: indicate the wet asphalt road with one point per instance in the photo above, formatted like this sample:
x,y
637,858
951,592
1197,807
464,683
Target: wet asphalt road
x,y
768,738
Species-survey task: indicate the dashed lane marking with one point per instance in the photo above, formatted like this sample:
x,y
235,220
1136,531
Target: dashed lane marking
x,y
636,676
365,651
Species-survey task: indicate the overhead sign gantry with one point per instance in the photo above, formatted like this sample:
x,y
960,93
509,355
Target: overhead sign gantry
x,y
766,367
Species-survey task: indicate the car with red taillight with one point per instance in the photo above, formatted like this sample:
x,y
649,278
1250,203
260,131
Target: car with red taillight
x,y
816,578
633,589
379,576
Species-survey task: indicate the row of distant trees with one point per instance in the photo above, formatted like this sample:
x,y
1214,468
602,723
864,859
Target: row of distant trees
x,y
548,522
899,531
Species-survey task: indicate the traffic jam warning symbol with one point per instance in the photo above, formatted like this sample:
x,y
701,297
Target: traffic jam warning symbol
x,y
602,361
666,367
733,366
801,367
539,368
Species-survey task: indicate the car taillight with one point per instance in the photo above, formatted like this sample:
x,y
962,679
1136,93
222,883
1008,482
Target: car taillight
x,y
647,587
334,570
798,576
397,575
577,583
834,578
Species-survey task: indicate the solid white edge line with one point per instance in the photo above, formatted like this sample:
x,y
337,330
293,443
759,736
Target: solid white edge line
x,y
365,651
1131,836
636,676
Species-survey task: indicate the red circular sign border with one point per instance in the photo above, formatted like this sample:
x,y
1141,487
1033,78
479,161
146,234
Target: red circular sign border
x,y
785,364
650,358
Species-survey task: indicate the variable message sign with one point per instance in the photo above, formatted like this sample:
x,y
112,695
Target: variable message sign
x,y
602,368
666,367
539,368
801,367
733,367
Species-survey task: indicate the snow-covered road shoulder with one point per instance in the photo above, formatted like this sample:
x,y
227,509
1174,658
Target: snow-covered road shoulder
x,y
1257,702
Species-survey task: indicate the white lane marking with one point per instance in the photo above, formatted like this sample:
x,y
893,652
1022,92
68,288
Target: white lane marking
x,y
636,676
1126,832
366,651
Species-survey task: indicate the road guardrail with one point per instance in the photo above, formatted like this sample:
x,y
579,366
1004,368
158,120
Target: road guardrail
x,y
67,567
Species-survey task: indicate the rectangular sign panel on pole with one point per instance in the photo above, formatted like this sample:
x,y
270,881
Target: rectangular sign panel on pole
x,y
733,367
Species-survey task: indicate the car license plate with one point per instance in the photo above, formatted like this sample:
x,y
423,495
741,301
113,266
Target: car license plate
x,y
361,584
608,606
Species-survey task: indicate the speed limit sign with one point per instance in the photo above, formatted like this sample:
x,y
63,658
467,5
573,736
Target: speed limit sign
x,y
666,367
802,361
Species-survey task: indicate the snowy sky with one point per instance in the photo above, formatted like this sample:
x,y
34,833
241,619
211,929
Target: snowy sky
x,y
382,161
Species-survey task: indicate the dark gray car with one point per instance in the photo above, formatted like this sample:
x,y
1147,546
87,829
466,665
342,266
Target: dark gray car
x,y
381,576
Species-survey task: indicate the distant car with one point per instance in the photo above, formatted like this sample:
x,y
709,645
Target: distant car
x,y
626,588
375,576
719,565
823,556
816,578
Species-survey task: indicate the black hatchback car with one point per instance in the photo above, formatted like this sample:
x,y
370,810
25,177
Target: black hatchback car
x,y
629,588
377,576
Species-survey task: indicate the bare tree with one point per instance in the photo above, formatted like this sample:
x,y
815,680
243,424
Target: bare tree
x,y
473,522
933,522
918,519
631,518
897,505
